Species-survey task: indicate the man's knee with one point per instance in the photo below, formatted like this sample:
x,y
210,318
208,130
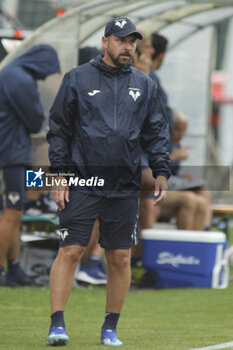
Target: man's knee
x,y
190,199
71,254
202,203
119,259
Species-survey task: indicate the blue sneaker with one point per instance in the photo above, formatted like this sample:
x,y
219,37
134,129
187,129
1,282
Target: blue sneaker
x,y
108,337
93,276
57,336
19,278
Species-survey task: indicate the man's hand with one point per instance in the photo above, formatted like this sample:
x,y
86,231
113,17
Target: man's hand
x,y
60,192
160,188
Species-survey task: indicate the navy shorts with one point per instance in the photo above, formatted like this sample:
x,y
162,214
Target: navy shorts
x,y
118,219
13,187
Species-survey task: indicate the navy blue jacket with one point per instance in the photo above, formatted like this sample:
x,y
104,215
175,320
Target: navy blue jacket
x,y
98,120
167,112
20,109
163,97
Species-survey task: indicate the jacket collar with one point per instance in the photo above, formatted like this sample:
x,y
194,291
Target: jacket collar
x,y
101,65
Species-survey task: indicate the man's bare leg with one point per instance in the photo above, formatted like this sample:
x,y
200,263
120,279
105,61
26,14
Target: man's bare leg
x,y
61,281
205,193
201,213
9,234
148,214
189,208
119,276
182,205
62,275
13,252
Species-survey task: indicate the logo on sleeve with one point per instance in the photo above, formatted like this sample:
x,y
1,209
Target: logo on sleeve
x,y
134,93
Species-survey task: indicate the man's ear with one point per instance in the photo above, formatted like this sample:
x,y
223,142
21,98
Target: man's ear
x,y
105,42
161,56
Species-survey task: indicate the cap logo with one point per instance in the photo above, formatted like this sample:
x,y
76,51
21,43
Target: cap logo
x,y
121,23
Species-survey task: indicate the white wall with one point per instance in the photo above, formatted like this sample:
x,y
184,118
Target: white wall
x,y
226,111
10,6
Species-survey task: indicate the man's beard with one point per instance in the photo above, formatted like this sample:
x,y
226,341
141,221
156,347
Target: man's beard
x,y
116,60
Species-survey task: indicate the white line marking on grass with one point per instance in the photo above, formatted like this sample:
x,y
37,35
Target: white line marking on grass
x,y
218,346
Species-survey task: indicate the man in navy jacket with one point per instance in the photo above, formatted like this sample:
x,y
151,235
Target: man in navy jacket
x,y
21,114
103,112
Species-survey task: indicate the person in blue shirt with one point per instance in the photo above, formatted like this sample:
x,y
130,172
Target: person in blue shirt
x,y
104,112
21,114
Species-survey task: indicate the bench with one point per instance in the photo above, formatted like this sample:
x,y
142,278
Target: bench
x,y
222,214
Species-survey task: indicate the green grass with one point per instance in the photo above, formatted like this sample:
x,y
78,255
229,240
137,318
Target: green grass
x,y
169,319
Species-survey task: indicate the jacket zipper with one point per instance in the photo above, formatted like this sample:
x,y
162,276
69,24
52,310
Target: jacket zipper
x,y
115,105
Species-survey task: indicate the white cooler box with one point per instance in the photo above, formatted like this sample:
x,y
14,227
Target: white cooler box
x,y
181,258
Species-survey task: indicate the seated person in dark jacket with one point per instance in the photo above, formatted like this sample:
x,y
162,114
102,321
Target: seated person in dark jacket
x,y
21,114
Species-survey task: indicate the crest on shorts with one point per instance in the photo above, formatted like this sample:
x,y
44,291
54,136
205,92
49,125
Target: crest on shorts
x,y
63,233
14,197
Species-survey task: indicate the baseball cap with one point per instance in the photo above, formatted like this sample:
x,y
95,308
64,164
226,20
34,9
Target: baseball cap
x,y
121,26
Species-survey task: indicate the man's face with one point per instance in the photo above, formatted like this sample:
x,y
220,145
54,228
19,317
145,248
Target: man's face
x,y
119,51
178,131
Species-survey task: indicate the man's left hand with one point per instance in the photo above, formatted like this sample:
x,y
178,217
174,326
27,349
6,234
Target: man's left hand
x,y
161,188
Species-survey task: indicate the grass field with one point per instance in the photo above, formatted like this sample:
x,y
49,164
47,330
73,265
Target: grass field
x,y
169,319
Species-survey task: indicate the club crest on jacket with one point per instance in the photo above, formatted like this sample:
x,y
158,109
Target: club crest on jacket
x,y
134,93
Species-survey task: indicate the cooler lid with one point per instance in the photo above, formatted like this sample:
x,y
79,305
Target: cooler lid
x,y
183,235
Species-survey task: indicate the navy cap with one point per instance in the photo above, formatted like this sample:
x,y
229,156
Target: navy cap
x,y
121,27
